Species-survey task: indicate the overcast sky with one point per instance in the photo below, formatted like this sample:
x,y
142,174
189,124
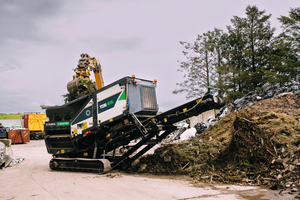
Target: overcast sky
x,y
41,42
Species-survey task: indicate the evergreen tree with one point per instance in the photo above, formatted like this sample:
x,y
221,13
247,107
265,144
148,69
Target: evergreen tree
x,y
245,58
288,45
236,65
291,29
283,66
259,35
250,44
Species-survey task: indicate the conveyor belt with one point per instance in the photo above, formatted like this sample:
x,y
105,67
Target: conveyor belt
x,y
165,121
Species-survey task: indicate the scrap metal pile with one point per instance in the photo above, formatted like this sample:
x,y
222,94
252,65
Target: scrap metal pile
x,y
265,92
259,144
6,156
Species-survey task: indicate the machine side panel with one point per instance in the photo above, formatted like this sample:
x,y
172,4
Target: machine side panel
x,y
83,120
134,98
113,105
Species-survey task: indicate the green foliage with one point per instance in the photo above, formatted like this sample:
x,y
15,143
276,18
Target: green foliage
x,y
10,116
247,54
245,58
288,48
274,174
246,162
235,95
283,67
85,87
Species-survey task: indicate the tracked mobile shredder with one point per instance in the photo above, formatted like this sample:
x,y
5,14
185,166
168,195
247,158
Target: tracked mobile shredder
x,y
86,133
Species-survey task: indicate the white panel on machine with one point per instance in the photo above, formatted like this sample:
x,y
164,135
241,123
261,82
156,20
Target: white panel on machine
x,y
111,103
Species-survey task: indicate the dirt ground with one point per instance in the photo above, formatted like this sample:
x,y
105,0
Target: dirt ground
x,y
32,179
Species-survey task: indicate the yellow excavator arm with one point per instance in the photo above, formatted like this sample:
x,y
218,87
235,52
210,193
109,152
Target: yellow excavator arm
x,y
94,64
81,83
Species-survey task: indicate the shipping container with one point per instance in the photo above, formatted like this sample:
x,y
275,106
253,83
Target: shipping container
x,y
19,135
34,122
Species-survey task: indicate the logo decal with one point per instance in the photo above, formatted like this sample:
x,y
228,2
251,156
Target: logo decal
x,y
103,106
88,112
111,102
62,123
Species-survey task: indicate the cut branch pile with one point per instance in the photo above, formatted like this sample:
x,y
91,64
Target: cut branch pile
x,y
258,145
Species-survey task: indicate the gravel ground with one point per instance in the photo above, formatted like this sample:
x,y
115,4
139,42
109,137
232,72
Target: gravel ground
x,y
32,179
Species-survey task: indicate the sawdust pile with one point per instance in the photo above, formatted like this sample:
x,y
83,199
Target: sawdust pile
x,y
258,145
